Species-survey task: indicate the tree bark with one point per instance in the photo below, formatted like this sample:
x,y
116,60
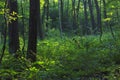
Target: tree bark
x,y
85,30
61,5
47,14
5,33
39,24
60,17
98,15
13,27
92,16
104,9
32,41
74,16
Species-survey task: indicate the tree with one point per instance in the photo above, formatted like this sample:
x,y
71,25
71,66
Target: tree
x,y
104,9
46,7
39,24
91,15
62,8
13,27
60,16
4,32
74,15
85,30
32,42
98,15
105,12
67,8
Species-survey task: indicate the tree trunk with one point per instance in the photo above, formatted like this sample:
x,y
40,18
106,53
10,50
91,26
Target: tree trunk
x,y
5,34
105,14
104,9
60,17
74,16
13,27
32,42
23,26
85,30
77,10
67,8
92,16
61,5
98,15
47,14
39,24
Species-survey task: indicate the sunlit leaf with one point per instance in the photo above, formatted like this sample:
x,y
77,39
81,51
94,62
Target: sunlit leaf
x,y
56,1
110,13
107,19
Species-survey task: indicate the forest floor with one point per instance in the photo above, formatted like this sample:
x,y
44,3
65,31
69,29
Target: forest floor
x,y
76,58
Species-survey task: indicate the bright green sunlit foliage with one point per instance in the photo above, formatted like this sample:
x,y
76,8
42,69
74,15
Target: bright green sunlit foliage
x,y
42,3
1,11
106,19
55,1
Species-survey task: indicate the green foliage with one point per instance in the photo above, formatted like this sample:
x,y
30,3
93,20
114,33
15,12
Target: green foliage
x,y
67,58
80,55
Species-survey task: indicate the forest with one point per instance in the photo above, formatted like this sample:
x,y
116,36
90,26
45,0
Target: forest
x,y
59,39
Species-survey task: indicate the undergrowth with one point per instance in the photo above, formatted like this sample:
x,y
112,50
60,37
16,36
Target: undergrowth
x,y
67,59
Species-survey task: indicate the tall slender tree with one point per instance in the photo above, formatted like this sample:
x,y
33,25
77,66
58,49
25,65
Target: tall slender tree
x,y
5,33
32,42
23,25
13,27
39,24
91,15
104,9
74,14
85,30
67,8
98,10
60,17
77,9
62,9
105,12
47,13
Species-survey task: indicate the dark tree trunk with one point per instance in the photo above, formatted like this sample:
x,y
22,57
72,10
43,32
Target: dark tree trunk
x,y
77,10
13,28
43,16
104,9
32,42
85,30
4,34
92,16
39,24
47,14
74,16
67,8
60,17
61,5
117,14
98,15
